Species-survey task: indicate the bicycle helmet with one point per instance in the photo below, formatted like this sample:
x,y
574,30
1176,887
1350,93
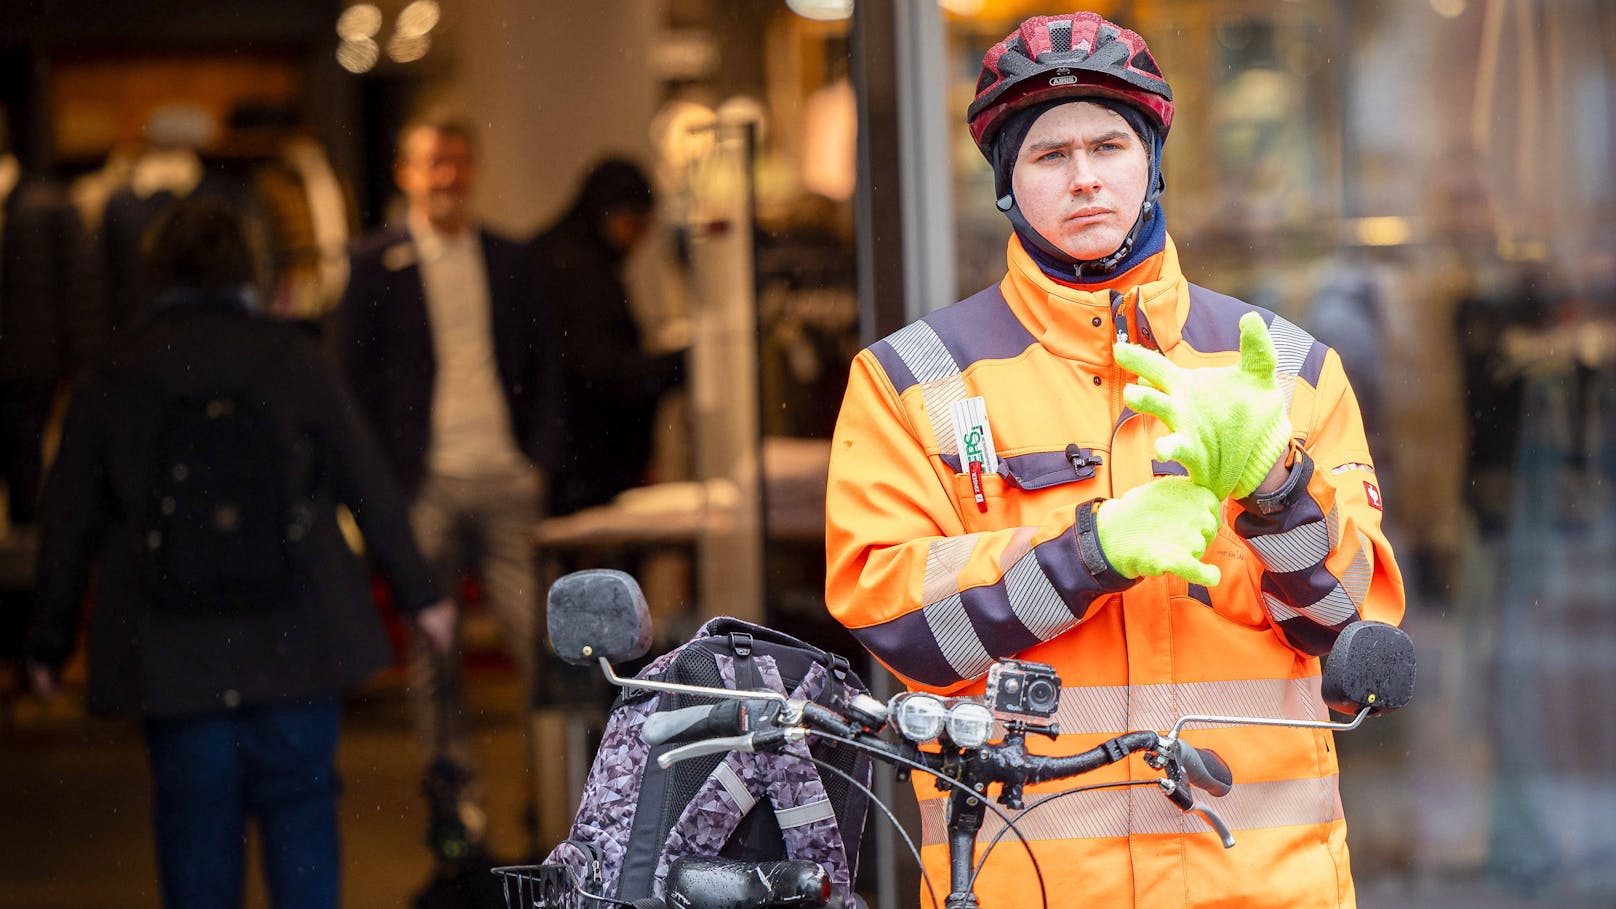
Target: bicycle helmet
x,y
1047,61
1079,55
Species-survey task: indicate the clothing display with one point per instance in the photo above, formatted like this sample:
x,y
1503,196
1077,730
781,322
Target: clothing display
x,y
46,325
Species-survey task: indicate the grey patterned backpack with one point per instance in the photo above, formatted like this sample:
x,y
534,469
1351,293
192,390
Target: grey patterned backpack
x,y
635,818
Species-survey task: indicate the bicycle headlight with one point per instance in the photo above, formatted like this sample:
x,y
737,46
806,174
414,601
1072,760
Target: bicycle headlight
x,y
918,716
970,724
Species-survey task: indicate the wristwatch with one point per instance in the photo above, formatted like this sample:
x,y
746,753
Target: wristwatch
x,y
1285,496
1093,555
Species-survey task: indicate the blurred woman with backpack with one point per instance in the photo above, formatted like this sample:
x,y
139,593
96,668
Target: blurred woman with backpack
x,y
201,467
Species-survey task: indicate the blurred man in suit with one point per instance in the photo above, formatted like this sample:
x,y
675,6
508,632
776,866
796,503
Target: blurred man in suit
x,y
449,352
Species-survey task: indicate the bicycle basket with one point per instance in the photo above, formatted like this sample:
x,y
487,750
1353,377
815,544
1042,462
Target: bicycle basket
x,y
537,887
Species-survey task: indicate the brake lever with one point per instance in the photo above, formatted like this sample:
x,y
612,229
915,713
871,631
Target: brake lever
x,y
1216,823
763,740
1176,786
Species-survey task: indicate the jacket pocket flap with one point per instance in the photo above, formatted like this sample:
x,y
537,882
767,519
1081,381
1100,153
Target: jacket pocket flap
x,y
1037,470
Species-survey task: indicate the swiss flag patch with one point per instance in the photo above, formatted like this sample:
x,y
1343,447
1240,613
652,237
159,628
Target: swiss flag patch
x,y
1374,495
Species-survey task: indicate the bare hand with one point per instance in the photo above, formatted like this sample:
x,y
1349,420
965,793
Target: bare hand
x,y
437,624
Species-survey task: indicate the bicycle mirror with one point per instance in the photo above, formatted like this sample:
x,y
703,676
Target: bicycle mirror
x,y
598,613
1371,665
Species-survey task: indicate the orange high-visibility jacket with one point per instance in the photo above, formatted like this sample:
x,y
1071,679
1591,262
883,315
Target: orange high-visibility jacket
x,y
938,586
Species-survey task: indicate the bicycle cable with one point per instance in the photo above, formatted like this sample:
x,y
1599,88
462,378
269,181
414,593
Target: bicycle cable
x,y
1009,822
891,819
1121,784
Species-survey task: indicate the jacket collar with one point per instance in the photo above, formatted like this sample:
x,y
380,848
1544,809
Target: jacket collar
x,y
1062,317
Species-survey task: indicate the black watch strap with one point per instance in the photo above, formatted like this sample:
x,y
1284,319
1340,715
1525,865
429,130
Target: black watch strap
x,y
1287,493
1093,555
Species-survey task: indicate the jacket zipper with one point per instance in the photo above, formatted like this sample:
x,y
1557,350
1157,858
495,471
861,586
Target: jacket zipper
x,y
1120,320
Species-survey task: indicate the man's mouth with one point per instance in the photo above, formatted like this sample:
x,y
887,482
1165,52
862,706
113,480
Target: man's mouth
x,y
1092,213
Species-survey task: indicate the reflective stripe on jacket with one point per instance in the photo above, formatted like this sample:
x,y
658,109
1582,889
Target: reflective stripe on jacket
x,y
938,586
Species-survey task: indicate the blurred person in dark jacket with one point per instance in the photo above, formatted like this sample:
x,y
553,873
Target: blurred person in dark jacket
x,y
451,356
611,383
201,465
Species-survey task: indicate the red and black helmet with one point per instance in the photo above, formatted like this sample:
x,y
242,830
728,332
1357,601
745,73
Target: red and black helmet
x,y
1072,56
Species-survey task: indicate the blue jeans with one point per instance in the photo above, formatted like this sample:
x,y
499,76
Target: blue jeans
x,y
272,762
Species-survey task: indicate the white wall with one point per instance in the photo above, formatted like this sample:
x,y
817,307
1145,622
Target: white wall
x,y
554,84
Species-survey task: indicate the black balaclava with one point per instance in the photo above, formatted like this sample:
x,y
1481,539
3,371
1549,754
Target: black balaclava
x,y
1149,233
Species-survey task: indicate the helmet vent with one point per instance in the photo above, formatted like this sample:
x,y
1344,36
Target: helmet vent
x,y
1145,63
1060,36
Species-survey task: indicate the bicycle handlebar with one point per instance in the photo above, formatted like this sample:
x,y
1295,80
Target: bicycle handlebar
x,y
1007,763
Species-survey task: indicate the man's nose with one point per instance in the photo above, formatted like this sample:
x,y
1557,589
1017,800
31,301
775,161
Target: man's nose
x,y
1083,177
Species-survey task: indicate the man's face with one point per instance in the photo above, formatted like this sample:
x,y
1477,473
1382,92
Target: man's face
x,y
1080,178
436,172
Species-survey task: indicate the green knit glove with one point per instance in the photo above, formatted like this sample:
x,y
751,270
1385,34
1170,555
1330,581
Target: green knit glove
x,y
1161,527
1229,423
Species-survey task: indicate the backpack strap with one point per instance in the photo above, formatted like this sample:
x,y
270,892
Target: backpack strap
x,y
606,811
789,781
801,803
746,676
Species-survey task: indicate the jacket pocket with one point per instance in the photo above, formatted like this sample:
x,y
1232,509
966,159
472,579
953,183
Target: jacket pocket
x,y
1035,471
975,515
1020,483
1238,596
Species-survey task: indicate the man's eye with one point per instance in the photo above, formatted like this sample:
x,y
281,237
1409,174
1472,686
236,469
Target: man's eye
x,y
1109,147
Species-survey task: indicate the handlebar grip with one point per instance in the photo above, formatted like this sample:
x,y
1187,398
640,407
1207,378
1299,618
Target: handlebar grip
x,y
700,882
828,720
1205,769
688,724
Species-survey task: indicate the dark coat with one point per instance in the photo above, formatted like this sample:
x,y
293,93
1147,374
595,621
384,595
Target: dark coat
x,y
384,340
162,664
611,384
45,327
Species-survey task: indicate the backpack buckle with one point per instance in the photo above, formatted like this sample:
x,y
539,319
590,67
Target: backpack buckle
x,y
740,643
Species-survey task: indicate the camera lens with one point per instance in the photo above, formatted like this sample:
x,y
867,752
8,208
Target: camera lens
x,y
1043,696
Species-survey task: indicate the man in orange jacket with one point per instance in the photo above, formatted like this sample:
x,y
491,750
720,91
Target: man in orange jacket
x,y
1161,491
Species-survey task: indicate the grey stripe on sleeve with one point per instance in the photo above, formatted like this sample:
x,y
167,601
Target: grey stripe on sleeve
x,y
1035,600
956,638
925,355
1297,549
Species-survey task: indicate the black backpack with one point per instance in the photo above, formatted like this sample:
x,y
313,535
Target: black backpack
x,y
635,818
224,518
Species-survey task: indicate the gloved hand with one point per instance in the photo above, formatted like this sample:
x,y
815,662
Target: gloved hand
x,y
1230,425
1161,527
